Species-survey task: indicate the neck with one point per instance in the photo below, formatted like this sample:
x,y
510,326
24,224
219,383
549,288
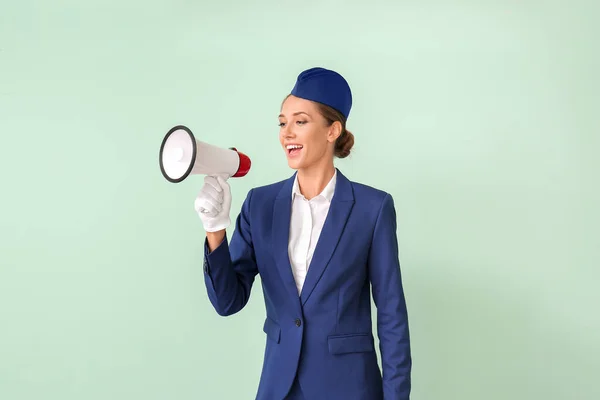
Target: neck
x,y
313,180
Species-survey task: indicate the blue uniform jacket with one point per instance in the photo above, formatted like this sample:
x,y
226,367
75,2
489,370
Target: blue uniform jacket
x,y
324,336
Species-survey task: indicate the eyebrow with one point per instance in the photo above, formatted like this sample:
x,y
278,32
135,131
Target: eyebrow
x,y
294,114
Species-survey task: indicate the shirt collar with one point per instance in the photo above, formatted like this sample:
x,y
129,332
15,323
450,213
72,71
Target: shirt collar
x,y
326,193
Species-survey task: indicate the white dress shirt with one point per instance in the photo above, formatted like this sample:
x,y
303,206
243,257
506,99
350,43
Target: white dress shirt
x,y
307,219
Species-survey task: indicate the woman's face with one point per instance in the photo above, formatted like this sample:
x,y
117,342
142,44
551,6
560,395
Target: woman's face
x,y
304,135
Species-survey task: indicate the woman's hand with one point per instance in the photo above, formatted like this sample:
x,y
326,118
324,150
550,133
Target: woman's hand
x,y
213,205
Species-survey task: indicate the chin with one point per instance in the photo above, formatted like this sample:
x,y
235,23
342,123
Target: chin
x,y
294,164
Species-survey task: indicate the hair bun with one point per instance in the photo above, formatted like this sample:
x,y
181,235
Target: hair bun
x,y
344,144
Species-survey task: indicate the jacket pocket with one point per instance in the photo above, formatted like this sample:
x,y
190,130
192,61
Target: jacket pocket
x,y
272,329
351,343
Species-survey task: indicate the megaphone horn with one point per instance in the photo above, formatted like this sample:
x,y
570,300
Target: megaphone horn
x,y
181,155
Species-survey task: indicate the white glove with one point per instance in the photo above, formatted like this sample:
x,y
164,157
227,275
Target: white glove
x,y
213,203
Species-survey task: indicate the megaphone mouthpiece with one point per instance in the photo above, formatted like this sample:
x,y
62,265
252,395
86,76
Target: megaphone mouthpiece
x,y
244,164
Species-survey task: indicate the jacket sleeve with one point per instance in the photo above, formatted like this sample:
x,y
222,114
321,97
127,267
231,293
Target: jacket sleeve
x,y
230,269
388,295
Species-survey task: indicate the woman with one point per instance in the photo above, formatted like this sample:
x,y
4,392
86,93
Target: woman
x,y
318,241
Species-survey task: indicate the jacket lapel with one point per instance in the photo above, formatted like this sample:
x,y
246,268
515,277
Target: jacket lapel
x,y
339,211
282,211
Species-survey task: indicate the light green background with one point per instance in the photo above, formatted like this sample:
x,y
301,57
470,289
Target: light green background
x,y
481,119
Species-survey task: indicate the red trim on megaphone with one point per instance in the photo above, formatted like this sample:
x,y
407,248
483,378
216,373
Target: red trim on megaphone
x,y
244,166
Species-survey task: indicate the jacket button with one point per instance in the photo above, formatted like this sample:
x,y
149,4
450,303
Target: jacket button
x,y
298,322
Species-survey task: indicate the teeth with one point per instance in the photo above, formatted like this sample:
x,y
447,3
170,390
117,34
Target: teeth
x,y
293,146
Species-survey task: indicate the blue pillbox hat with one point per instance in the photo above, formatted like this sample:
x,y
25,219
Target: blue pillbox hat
x,y
324,86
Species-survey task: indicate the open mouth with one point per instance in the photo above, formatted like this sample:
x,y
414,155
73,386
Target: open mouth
x,y
293,149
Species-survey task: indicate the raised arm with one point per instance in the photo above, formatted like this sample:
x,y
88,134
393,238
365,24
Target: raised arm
x,y
229,266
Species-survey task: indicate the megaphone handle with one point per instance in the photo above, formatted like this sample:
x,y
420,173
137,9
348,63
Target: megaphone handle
x,y
225,177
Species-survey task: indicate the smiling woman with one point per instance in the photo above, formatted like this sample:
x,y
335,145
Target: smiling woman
x,y
320,242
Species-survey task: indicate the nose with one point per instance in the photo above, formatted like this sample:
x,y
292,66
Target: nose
x,y
286,132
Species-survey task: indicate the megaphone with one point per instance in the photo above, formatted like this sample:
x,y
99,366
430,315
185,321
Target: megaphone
x,y
181,155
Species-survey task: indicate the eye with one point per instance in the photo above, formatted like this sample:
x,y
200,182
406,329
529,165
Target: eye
x,y
301,122
281,124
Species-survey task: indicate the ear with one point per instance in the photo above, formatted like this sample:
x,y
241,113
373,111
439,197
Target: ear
x,y
335,130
